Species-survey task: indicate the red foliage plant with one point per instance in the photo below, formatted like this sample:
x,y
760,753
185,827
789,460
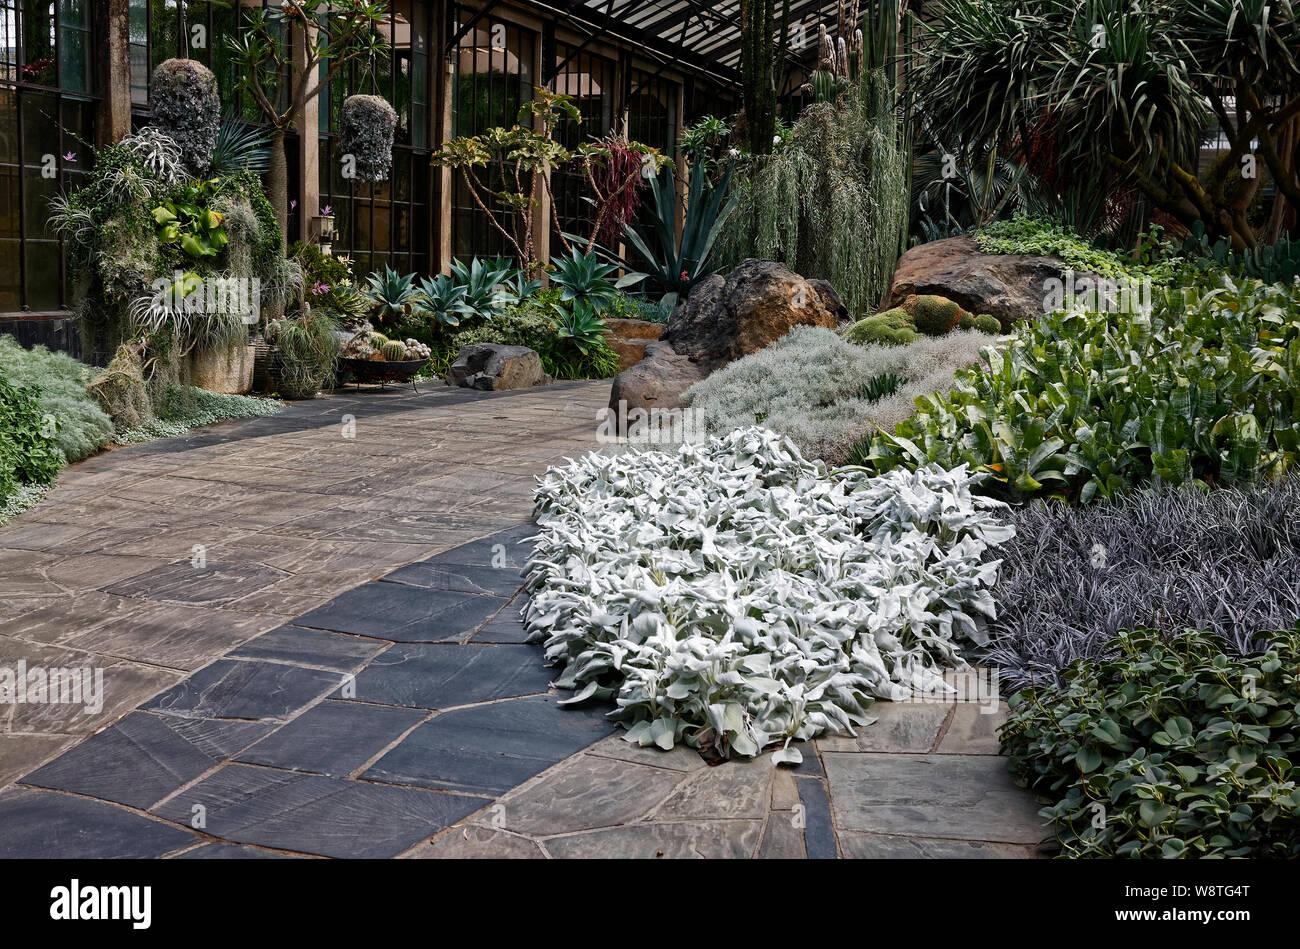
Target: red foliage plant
x,y
618,182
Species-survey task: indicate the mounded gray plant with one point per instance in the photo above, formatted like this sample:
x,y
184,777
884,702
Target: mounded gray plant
x,y
187,106
816,388
1226,561
367,135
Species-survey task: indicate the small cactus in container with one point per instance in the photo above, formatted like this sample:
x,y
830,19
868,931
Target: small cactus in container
x,y
393,350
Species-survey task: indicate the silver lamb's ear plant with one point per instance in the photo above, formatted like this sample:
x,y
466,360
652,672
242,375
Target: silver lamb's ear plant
x,y
734,595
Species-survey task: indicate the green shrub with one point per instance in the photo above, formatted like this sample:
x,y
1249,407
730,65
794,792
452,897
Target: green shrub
x,y
1168,747
982,322
1031,236
537,327
29,452
826,393
935,315
81,427
891,328
1086,404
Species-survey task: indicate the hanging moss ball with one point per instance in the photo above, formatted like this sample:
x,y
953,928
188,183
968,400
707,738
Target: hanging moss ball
x,y
187,107
366,135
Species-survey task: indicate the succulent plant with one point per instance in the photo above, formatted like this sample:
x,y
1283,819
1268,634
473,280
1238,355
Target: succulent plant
x,y
393,351
187,107
367,135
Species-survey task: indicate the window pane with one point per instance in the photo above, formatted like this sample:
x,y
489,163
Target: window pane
x,y
74,60
38,42
40,126
9,272
9,121
42,275
10,201
38,191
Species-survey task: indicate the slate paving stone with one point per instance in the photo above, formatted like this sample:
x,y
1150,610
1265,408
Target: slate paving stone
x,y
818,829
491,748
145,757
731,839
182,582
309,647
442,676
587,792
333,738
974,730
314,814
220,851
401,613
506,627
244,689
50,825
22,753
735,788
472,842
887,847
125,686
962,797
489,551
909,727
437,574
679,758
782,838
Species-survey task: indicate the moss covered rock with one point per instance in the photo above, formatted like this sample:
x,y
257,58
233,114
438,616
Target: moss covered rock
x,y
121,390
891,328
935,315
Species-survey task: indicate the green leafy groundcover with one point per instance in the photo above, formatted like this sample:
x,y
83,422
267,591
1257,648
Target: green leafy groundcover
x,y
29,451
188,407
1167,748
1082,405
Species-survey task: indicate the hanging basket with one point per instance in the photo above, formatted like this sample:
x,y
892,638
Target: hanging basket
x,y
366,137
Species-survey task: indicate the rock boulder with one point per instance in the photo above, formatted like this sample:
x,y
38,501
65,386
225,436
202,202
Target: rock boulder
x,y
1009,287
493,366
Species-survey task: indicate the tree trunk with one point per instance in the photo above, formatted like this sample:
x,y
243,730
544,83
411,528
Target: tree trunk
x,y
277,186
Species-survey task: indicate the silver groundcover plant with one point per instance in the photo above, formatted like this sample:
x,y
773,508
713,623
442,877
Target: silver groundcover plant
x,y
733,594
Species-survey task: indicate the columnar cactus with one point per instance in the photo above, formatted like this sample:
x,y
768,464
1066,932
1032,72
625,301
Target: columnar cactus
x,y
187,107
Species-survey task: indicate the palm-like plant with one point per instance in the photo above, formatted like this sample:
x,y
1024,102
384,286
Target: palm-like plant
x,y
391,294
240,147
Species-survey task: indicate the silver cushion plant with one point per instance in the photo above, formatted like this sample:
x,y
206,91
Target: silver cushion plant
x,y
733,595
187,107
367,135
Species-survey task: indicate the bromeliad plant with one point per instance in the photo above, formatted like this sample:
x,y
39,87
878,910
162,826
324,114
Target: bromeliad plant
x,y
733,595
187,220
1178,748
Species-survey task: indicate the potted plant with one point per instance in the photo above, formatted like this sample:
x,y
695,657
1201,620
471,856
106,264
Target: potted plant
x,y
370,356
305,348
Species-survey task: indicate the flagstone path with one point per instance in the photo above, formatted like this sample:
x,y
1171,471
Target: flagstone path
x,y
308,626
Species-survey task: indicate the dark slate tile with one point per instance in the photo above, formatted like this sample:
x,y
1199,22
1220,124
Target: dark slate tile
x,y
402,613
490,749
49,825
145,757
332,738
437,574
309,647
419,675
220,851
489,551
506,627
181,582
313,814
241,689
819,832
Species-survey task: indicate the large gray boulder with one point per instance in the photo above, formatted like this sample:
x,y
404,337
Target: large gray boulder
x,y
723,319
493,366
1010,287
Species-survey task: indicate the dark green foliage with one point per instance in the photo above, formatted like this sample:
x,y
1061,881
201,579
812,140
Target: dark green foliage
x,y
29,452
539,328
881,387
1272,263
982,322
306,350
59,380
239,147
1085,405
672,267
1167,747
583,278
